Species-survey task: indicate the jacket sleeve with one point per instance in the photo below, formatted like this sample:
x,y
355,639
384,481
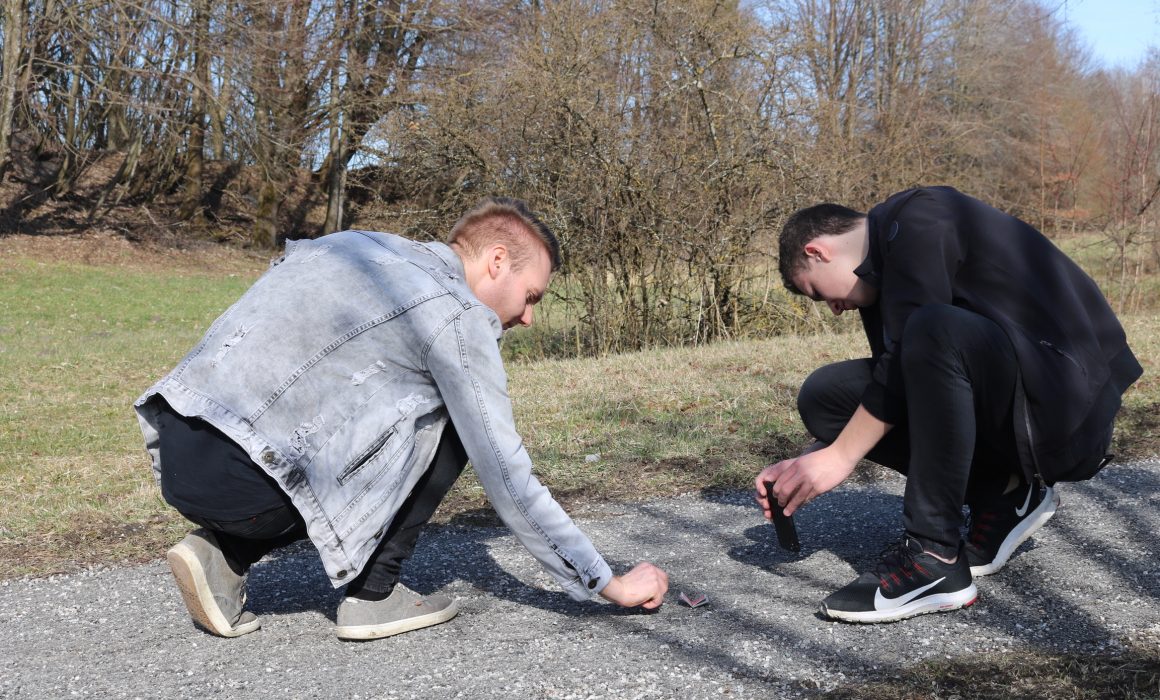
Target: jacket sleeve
x,y
465,363
922,251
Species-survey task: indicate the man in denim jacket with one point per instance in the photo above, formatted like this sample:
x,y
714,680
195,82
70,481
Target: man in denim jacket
x,y
340,398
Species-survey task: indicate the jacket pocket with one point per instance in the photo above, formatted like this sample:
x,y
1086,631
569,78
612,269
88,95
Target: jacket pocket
x,y
1064,354
352,468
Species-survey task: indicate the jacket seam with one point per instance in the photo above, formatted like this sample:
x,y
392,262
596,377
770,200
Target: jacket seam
x,y
333,345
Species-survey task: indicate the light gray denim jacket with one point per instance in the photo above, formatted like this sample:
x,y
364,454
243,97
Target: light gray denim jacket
x,y
337,372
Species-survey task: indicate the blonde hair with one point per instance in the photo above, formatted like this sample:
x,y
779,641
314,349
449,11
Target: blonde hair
x,y
507,221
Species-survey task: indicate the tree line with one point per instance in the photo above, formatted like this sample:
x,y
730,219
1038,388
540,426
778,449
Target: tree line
x,y
664,141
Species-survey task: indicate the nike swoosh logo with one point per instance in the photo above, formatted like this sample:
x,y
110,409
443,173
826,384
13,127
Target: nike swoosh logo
x,y
882,603
1026,502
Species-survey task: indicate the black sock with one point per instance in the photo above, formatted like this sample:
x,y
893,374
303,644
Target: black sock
x,y
229,547
369,595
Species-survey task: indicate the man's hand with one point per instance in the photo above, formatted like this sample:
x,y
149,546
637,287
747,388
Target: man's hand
x,y
802,479
645,586
821,467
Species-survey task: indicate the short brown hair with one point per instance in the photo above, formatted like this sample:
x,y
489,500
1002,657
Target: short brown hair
x,y
508,221
804,226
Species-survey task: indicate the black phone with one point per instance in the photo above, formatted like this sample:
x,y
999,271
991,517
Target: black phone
x,y
787,535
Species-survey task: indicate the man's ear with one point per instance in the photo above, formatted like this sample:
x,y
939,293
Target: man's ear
x,y
819,251
497,258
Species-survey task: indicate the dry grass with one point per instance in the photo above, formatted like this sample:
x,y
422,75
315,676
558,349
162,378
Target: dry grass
x,y
665,421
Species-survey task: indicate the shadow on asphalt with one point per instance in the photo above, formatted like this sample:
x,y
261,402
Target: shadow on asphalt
x,y
292,580
1023,602
835,524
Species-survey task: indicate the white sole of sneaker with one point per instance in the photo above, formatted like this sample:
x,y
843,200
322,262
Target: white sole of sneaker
x,y
357,632
195,591
1019,535
941,602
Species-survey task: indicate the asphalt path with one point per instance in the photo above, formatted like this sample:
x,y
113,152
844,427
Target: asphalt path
x,y
1088,582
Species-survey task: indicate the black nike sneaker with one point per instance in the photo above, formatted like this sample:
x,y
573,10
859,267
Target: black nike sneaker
x,y
999,526
907,582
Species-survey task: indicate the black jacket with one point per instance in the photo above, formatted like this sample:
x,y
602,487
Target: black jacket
x,y
935,245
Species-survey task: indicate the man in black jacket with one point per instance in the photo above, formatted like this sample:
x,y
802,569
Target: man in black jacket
x,y
997,369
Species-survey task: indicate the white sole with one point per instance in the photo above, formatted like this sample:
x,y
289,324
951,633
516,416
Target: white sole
x,y
941,602
1019,535
198,597
388,629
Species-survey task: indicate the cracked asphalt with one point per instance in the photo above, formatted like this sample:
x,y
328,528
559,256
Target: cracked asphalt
x,y
1088,582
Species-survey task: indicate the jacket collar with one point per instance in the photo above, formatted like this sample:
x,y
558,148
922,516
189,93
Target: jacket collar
x,y
448,256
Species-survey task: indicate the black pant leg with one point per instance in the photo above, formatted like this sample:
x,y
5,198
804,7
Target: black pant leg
x,y
827,400
382,571
244,542
960,372
958,437
211,481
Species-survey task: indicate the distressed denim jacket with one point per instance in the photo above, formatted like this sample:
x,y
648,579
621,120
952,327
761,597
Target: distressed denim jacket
x,y
337,372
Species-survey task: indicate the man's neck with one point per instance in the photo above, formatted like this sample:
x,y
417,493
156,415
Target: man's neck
x,y
855,243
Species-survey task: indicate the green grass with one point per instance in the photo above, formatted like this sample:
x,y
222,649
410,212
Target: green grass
x,y
78,343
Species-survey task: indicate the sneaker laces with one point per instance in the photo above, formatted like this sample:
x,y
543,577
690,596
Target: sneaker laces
x,y
979,525
897,563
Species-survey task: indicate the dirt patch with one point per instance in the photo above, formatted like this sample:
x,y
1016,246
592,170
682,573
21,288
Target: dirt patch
x,y
96,543
106,248
1137,432
1134,673
778,446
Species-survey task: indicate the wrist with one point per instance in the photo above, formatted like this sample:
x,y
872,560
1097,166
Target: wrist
x,y
611,590
843,455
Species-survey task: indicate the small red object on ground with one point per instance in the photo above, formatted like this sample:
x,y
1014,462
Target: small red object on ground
x,y
695,600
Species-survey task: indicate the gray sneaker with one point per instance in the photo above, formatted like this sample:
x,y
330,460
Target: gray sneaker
x,y
214,595
402,611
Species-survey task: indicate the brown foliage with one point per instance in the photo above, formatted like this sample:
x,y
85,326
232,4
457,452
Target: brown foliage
x,y
665,142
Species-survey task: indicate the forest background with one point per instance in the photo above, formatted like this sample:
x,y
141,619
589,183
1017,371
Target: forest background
x,y
664,142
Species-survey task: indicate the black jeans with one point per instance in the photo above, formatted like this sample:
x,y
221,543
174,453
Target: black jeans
x,y
187,445
957,444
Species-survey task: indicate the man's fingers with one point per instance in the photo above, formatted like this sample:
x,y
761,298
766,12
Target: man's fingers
x,y
797,490
765,475
786,485
800,498
660,587
773,475
653,583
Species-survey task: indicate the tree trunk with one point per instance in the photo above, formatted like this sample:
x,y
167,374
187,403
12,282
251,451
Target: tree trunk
x,y
265,232
195,149
336,172
12,25
72,114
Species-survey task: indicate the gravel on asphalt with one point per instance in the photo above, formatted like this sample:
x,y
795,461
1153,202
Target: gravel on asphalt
x,y
1088,582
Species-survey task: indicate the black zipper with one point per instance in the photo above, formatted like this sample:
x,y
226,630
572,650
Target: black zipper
x,y
1057,349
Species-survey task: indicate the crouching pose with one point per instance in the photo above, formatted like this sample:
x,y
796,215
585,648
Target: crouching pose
x,y
997,369
340,398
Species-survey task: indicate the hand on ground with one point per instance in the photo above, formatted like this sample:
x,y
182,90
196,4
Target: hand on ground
x,y
645,586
